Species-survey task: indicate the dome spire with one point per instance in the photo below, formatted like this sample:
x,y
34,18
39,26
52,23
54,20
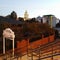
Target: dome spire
x,y
26,15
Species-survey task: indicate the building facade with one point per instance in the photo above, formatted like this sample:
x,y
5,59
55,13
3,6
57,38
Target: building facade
x,y
50,19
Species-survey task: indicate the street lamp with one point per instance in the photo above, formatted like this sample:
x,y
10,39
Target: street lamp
x,y
9,34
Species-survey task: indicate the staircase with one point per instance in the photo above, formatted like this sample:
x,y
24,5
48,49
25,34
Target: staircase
x,y
46,52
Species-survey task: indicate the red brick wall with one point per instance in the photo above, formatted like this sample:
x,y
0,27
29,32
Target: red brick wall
x,y
42,41
35,43
51,38
23,44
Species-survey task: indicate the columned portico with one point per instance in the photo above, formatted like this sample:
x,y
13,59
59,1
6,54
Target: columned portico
x,y
9,34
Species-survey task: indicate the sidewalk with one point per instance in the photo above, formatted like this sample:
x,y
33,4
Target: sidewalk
x,y
25,57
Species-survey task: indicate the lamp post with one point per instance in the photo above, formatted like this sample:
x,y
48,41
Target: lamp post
x,y
9,34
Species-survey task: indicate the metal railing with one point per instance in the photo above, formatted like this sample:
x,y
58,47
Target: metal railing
x,y
41,52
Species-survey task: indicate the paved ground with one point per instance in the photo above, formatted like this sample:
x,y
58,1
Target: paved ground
x,y
25,57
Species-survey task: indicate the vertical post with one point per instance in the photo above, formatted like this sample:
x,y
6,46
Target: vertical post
x,y
52,53
31,54
27,48
3,45
39,53
51,22
13,47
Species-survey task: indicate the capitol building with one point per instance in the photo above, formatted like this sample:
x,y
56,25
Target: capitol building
x,y
26,15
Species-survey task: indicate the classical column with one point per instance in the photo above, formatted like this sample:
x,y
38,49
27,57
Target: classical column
x,y
13,47
3,45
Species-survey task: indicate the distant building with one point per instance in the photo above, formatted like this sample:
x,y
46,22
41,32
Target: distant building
x,y
26,15
39,18
57,28
50,19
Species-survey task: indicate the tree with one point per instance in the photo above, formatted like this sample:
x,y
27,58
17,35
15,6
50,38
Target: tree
x,y
21,19
13,15
33,20
58,24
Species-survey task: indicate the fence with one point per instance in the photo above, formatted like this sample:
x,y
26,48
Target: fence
x,y
48,51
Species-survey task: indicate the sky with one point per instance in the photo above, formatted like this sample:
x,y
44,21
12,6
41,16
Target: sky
x,y
34,7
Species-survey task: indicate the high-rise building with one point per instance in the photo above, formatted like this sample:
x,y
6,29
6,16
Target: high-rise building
x,y
26,15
